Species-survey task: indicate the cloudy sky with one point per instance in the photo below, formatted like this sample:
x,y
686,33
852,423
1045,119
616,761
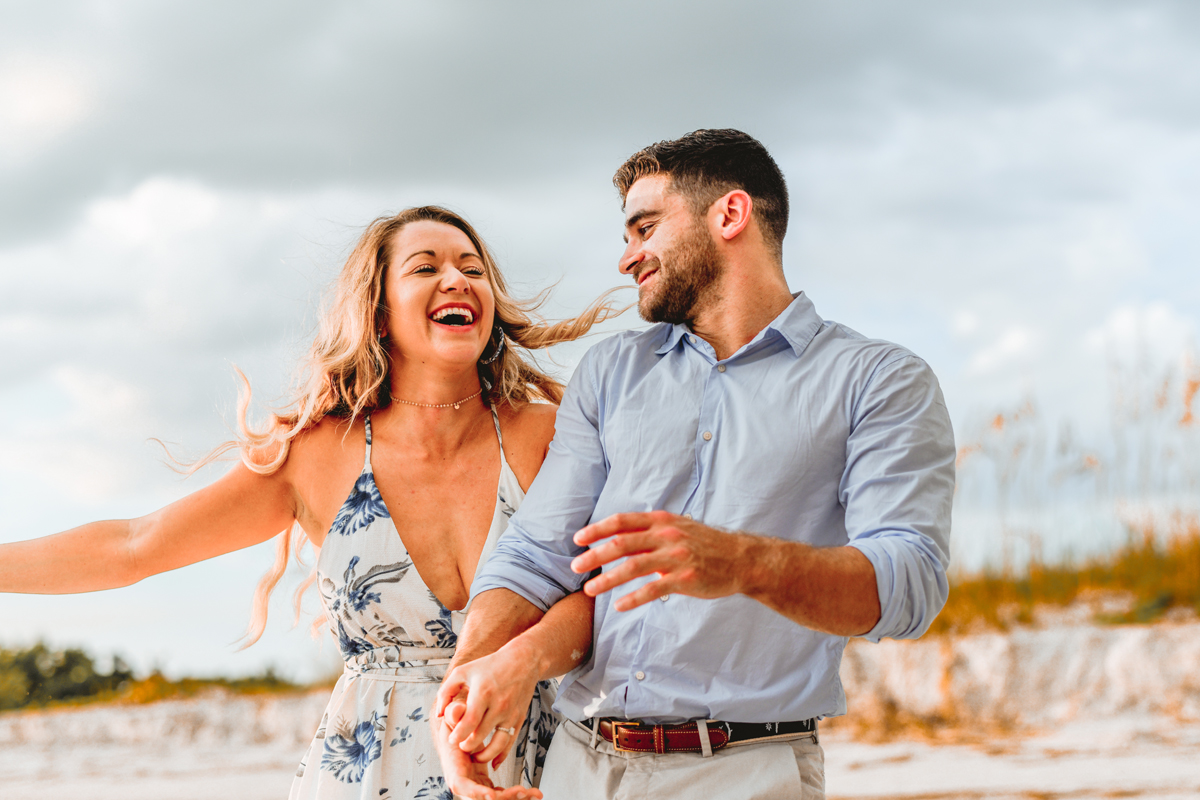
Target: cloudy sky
x,y
1004,187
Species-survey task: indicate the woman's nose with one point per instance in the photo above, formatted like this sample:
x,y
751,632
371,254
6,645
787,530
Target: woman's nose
x,y
454,281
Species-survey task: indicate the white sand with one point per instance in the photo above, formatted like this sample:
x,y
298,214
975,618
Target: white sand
x,y
1129,757
1075,712
216,746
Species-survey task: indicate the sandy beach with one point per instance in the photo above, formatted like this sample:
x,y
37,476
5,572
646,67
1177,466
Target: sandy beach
x,y
1074,712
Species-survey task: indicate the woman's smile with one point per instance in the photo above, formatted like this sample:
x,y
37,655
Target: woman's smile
x,y
454,315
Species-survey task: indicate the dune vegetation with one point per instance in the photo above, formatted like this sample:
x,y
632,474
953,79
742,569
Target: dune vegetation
x,y
40,676
1147,578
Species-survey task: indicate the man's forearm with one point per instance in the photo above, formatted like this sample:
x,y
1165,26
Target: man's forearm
x,y
829,589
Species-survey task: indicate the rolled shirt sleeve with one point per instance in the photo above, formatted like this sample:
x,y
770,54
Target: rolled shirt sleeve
x,y
897,489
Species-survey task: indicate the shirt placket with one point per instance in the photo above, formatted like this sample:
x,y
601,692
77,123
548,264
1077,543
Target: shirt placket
x,y
707,427
639,687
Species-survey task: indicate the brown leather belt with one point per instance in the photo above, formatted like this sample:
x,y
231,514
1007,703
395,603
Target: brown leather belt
x,y
637,737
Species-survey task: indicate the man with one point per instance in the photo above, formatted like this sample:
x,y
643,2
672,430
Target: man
x,y
754,485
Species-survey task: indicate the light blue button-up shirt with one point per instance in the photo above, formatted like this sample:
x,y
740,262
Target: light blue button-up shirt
x,y
810,433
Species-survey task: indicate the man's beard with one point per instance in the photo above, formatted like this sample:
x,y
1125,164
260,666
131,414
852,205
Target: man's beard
x,y
686,276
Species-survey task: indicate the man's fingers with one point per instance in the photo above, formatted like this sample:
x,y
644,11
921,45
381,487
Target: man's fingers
x,y
635,567
614,549
619,523
651,591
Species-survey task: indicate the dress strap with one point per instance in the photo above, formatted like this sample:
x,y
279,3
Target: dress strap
x,y
367,457
499,435
504,467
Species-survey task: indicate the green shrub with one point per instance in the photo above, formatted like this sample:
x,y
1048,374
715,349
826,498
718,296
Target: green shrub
x,y
38,675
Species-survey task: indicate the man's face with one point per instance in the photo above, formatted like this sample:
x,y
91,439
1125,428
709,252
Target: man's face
x,y
670,253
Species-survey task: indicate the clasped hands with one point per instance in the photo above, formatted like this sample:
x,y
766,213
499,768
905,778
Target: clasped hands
x,y
482,700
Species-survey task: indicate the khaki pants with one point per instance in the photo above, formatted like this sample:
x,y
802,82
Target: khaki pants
x,y
794,768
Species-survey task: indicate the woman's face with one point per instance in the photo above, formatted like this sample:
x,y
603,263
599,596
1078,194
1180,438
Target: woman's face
x,y
440,304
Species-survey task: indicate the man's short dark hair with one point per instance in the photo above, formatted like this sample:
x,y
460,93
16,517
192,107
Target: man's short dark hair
x,y
707,164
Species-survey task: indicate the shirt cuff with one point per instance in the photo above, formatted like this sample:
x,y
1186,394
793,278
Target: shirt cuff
x,y
911,582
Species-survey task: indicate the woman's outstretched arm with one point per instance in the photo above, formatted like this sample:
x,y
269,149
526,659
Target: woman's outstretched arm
x,y
241,509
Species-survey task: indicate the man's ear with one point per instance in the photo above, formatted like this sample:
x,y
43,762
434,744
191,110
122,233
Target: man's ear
x,y
730,214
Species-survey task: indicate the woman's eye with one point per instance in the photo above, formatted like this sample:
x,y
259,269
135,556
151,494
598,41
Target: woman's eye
x,y
426,268
476,271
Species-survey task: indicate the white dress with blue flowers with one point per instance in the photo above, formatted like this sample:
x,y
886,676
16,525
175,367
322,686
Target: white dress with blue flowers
x,y
374,740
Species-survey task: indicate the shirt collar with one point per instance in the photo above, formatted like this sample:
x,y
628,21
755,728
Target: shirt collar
x,y
797,324
674,333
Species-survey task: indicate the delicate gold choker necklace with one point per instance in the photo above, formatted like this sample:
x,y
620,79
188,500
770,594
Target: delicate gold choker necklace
x,y
439,405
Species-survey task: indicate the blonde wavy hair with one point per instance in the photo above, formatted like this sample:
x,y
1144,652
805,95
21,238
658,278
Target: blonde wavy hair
x,y
346,371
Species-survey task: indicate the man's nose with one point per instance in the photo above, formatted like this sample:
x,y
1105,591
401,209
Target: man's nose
x,y
630,259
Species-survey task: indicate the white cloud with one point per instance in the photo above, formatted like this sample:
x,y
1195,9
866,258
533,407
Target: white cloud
x,y
1106,251
964,323
99,401
1154,333
41,97
1014,346
157,210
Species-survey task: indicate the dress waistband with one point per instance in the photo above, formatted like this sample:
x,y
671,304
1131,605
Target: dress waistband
x,y
401,664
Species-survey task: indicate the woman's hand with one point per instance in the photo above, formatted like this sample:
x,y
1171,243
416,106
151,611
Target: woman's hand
x,y
485,696
465,776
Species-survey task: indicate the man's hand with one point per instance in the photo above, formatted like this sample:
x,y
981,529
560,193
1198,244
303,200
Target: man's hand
x,y
689,557
496,690
466,777
829,589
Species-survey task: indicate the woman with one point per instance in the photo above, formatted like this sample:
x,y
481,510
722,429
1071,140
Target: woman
x,y
412,442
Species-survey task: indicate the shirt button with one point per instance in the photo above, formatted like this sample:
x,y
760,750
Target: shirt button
x,y
687,516
720,367
692,339
708,436
641,676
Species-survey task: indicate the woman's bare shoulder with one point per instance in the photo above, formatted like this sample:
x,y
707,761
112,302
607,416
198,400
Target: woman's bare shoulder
x,y
528,429
318,445
330,437
532,423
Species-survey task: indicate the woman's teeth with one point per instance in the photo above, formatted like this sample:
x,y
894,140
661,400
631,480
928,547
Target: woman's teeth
x,y
453,316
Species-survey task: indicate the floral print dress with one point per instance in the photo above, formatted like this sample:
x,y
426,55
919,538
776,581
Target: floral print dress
x,y
396,639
